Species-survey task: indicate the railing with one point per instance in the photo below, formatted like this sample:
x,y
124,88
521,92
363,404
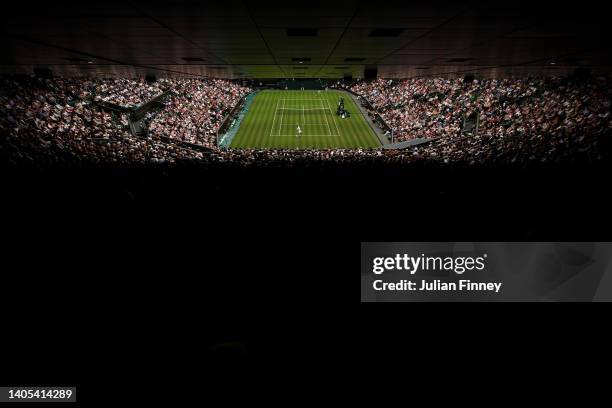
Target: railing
x,y
139,112
230,118
112,107
136,114
379,119
383,124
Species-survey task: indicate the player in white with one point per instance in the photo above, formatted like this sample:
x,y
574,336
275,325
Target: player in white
x,y
299,131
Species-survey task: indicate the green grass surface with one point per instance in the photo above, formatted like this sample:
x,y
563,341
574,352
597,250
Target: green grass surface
x,y
274,116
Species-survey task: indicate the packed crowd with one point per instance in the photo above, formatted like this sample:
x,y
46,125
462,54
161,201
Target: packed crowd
x,y
123,92
436,107
57,121
196,110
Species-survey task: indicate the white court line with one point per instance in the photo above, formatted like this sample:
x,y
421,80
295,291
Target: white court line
x,y
299,110
305,124
327,121
274,119
281,122
310,124
303,135
332,112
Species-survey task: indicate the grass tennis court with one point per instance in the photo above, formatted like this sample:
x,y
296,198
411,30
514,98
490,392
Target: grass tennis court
x,y
274,116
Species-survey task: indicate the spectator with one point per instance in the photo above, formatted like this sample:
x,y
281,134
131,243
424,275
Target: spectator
x,y
48,122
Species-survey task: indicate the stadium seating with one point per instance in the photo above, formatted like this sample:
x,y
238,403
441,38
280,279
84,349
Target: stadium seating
x,y
56,121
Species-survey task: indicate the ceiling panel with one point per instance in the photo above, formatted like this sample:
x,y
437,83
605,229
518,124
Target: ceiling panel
x,y
250,38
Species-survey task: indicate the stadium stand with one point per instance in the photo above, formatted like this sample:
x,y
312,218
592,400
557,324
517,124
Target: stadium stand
x,y
542,120
435,107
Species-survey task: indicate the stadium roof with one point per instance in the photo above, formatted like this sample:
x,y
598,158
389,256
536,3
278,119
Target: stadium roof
x,y
313,39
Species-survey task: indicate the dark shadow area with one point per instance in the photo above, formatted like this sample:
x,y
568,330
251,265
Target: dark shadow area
x,y
234,271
